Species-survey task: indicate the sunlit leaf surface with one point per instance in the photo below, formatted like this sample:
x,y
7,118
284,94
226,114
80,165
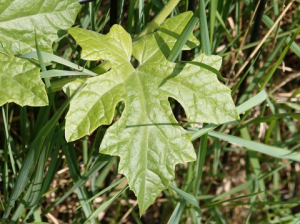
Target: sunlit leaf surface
x,y
21,22
20,82
147,137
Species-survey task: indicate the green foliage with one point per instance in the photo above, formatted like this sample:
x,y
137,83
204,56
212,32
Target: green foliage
x,y
20,82
251,165
21,22
147,138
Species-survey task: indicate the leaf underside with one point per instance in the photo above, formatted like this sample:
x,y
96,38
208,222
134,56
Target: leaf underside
x,y
147,138
20,23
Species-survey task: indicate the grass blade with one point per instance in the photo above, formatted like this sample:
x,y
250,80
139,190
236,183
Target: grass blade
x,y
188,197
282,55
57,59
258,147
249,104
162,15
99,163
212,19
204,29
176,215
59,73
273,117
103,191
249,182
75,174
30,160
201,155
176,50
7,141
106,204
231,199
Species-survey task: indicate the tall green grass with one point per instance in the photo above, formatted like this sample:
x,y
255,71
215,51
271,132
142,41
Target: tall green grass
x,y
245,172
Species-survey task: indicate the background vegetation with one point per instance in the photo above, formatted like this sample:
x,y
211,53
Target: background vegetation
x,y
235,180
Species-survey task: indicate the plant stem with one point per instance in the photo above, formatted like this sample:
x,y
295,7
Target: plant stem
x,y
7,138
92,15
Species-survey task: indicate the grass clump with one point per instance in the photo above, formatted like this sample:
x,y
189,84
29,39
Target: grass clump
x,y
245,172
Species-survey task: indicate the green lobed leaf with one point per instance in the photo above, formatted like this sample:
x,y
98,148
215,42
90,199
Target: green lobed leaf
x,y
21,23
20,20
147,137
20,82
